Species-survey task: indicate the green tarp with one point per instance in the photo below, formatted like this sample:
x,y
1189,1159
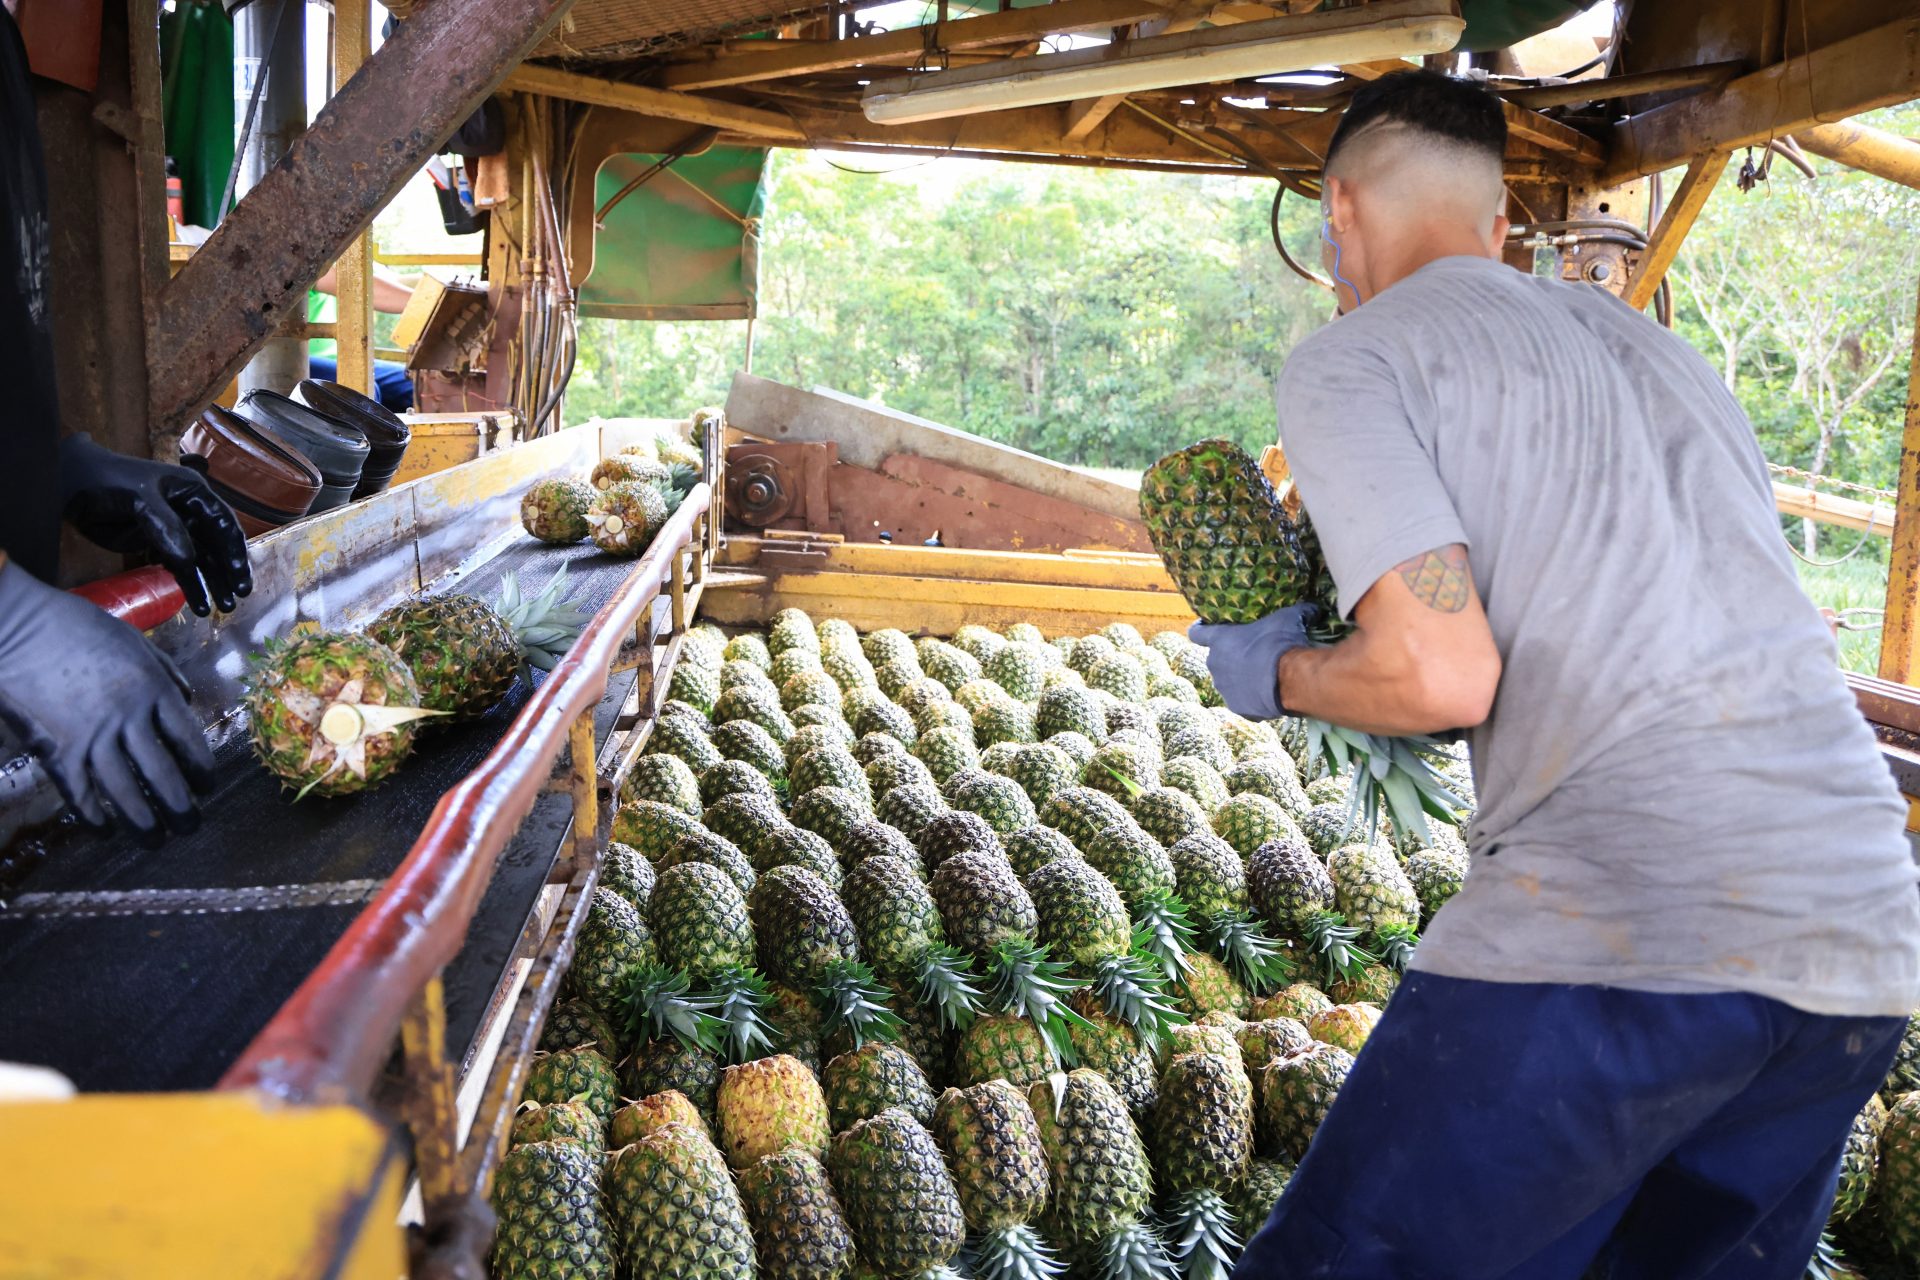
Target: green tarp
x,y
196,54
683,246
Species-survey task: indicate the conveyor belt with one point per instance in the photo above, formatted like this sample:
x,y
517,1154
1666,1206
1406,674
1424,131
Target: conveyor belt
x,y
163,991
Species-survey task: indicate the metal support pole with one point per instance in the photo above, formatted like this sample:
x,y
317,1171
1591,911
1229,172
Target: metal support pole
x,y
270,39
1900,635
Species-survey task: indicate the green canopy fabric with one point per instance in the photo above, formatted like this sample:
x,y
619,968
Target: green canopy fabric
x,y
196,55
682,246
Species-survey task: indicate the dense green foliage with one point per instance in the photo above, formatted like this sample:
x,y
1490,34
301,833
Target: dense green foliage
x,y
1103,318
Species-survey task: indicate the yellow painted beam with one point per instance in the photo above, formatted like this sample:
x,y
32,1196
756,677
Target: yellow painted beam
x,y
1117,570
1877,68
1900,636
1863,147
189,1186
1664,245
665,104
353,269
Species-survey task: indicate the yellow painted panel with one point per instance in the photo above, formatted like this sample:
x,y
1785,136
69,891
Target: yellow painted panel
x,y
196,1186
1121,571
1913,813
914,589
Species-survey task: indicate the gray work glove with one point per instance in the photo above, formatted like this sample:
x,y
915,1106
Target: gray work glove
x,y
1243,658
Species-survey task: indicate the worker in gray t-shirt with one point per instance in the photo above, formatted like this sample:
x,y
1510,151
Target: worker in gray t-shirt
x,y
1690,937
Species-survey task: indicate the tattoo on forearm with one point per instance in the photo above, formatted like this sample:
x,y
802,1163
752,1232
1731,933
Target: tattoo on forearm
x,y
1438,578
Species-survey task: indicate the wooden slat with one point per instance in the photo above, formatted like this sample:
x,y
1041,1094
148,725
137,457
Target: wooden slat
x,y
1120,570
773,62
1544,131
662,103
1900,637
1876,68
1826,508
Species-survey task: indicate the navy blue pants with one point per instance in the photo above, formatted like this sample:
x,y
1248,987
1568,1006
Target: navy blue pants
x,y
1499,1130
391,385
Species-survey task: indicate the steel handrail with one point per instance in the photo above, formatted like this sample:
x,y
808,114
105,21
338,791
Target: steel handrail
x,y
338,1028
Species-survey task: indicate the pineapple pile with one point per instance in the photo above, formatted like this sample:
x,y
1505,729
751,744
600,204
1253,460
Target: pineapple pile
x,y
1874,1227
334,713
622,503
997,947
1238,552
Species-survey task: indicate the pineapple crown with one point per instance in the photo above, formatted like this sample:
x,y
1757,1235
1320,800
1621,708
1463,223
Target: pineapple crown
x,y
1259,962
1336,944
1397,943
1163,930
1135,1251
850,997
1132,990
738,995
1015,1252
1393,771
946,982
658,1002
1200,1225
544,625
1025,981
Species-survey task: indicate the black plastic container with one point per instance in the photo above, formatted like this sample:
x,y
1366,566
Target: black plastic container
x,y
338,449
386,435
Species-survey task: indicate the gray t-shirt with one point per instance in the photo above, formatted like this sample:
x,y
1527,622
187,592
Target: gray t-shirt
x,y
1677,792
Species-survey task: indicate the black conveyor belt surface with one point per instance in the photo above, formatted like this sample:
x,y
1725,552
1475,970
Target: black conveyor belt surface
x,y
167,1000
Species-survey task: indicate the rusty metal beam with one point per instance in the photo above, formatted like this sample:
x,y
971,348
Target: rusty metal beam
x,y
1876,68
1863,147
1664,245
1612,88
1900,636
368,140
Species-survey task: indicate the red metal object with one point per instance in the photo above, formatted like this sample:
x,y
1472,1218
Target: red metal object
x,y
338,1028
144,597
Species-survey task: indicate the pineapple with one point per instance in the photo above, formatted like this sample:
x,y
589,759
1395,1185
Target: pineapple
x,y
695,684
1299,1002
556,510
1020,667
901,1201
955,832
1003,721
676,1209
981,901
1081,813
999,800
792,629
549,1221
884,717
1295,1094
1076,747
1098,1176
613,939
1003,1046
1208,986
808,688
1369,984
561,1122
1204,1145
732,777
1370,889
710,849
799,1230
830,767
1289,885
1345,1026
872,838
1436,875
665,1064
750,648
1117,1050
1899,1183
941,713
1272,776
1255,1200
1122,770
1170,815
627,873
1200,743
1270,1040
680,736
575,1024
1120,675
650,1114
748,821
1326,826
1200,780
332,714
1070,709
946,750
1904,1077
830,813
746,741
864,1082
1857,1162
888,644
1083,919
572,1075
801,927
992,1141
770,1105
699,920
901,934
1208,874
1034,847
1248,820
624,517
663,779
1138,865
1040,769
910,809
897,770
624,468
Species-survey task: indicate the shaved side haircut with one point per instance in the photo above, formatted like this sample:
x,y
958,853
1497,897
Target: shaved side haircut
x,y
1437,138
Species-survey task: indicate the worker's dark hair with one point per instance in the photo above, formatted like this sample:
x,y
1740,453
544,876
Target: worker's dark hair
x,y
1460,111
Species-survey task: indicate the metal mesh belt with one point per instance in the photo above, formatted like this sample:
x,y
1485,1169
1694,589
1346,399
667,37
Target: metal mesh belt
x,y
135,969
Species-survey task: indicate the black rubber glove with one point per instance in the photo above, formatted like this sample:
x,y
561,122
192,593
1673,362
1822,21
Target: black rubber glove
x,y
104,711
131,504
1243,658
